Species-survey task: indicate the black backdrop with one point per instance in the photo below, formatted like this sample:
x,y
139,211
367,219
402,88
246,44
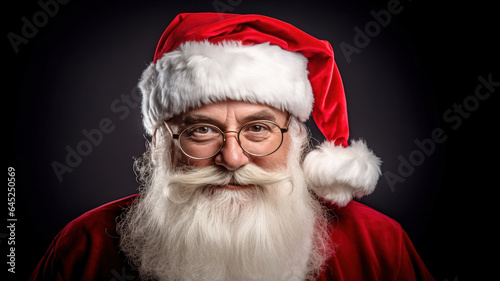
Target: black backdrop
x,y
411,79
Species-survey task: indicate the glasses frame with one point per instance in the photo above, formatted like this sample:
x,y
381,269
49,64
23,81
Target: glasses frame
x,y
223,133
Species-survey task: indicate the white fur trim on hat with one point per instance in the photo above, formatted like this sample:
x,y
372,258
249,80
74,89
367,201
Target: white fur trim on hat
x,y
198,73
340,173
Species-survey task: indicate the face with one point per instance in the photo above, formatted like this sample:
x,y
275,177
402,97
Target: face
x,y
231,116
226,215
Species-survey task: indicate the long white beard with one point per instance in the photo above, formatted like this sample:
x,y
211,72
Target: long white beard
x,y
182,228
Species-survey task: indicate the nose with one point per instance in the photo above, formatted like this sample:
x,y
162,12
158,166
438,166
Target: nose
x,y
231,156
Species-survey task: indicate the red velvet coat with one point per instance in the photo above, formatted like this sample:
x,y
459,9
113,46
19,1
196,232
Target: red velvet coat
x,y
370,246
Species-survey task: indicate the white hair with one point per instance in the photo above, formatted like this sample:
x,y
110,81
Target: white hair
x,y
181,228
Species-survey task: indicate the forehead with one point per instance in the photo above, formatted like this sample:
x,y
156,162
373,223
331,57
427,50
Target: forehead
x,y
232,112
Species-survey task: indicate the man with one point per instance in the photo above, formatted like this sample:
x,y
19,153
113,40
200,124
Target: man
x,y
230,189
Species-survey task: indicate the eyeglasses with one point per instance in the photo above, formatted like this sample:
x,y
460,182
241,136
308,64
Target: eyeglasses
x,y
204,141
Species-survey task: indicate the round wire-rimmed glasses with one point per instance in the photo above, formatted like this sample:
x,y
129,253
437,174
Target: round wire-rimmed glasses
x,y
204,141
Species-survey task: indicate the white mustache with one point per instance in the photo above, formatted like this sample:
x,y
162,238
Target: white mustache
x,y
185,183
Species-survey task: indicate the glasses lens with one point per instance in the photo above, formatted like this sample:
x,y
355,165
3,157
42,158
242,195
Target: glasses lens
x,y
201,141
260,138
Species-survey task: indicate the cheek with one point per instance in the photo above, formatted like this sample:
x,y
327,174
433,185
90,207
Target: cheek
x,y
269,163
274,161
277,160
181,160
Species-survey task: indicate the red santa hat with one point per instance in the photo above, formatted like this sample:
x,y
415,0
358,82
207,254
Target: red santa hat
x,y
203,58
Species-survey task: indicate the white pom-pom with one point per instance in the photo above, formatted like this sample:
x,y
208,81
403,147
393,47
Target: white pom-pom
x,y
340,173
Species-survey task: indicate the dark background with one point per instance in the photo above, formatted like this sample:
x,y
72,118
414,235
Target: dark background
x,y
81,66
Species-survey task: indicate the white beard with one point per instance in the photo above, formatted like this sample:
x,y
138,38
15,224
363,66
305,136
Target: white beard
x,y
182,228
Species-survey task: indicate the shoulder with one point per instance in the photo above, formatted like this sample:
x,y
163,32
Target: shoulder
x,y
87,248
359,226
360,215
367,243
105,212
99,221
95,228
376,243
370,246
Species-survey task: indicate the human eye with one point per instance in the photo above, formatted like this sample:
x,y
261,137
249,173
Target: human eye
x,y
257,128
257,131
201,132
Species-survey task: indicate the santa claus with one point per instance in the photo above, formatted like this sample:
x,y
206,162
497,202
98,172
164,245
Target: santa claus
x,y
231,189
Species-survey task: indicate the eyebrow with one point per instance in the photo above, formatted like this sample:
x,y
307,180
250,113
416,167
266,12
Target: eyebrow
x,y
190,119
195,118
260,115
